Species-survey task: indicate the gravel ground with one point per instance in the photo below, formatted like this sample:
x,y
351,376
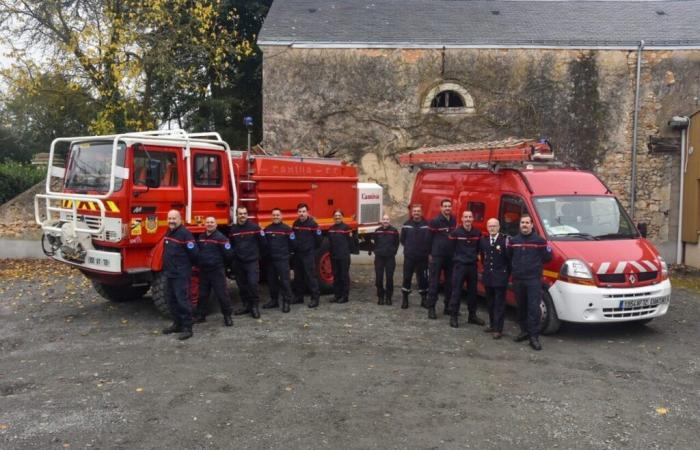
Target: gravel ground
x,y
79,372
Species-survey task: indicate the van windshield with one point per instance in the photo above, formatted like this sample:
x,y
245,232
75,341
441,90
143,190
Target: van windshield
x,y
89,166
584,218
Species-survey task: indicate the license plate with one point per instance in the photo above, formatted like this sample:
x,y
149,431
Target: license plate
x,y
644,302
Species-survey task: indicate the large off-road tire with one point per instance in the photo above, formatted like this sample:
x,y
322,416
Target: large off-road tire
x,y
324,268
549,321
158,294
119,294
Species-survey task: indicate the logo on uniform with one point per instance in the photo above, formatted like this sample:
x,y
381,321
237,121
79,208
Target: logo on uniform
x,y
262,232
318,231
190,245
227,246
292,236
549,249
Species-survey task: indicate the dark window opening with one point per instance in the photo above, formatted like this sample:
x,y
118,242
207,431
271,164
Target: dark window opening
x,y
207,170
511,210
478,210
168,167
447,99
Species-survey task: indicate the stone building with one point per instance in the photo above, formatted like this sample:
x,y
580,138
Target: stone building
x,y
369,79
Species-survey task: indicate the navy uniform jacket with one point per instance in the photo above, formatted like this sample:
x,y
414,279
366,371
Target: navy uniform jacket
x,y
440,229
214,251
466,245
307,234
279,237
179,253
495,261
385,241
246,239
415,238
343,241
528,254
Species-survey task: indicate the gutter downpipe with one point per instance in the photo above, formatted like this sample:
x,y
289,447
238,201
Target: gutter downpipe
x,y
633,182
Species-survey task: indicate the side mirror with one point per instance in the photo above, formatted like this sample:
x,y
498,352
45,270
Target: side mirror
x,y
153,173
642,227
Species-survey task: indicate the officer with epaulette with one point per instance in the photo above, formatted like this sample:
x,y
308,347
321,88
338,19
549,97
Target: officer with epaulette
x,y
495,275
308,236
528,253
415,238
246,239
279,237
466,241
179,255
214,257
441,251
385,241
343,242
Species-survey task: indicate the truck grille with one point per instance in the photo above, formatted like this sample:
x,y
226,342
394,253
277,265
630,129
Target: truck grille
x,y
639,311
370,213
621,277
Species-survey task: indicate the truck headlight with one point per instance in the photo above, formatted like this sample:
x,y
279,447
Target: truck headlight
x,y
576,271
664,268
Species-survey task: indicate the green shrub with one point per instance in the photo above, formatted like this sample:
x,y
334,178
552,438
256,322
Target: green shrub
x,y
16,178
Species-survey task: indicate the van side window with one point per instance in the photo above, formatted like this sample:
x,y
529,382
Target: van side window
x,y
510,211
478,210
168,167
207,170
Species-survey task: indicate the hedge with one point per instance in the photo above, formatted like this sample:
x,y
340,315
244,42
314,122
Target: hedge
x,y
16,178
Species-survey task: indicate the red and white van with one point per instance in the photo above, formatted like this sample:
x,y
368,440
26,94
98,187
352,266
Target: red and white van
x,y
603,269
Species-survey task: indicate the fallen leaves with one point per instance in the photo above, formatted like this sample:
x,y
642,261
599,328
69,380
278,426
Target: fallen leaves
x,y
661,411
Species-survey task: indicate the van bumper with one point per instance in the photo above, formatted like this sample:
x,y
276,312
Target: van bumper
x,y
592,304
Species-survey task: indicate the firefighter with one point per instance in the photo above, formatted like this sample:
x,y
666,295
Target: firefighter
x,y
246,239
441,250
278,237
495,275
214,257
385,240
466,252
307,240
179,255
528,253
415,238
343,242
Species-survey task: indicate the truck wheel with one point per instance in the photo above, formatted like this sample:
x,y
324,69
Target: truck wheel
x,y
158,290
119,294
549,321
324,268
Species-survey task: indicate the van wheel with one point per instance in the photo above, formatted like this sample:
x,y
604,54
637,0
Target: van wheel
x,y
158,293
549,321
119,294
324,268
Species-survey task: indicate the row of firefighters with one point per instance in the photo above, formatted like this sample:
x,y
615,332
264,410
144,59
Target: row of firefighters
x,y
431,248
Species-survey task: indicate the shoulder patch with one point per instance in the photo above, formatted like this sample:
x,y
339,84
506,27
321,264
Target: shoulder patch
x,y
190,245
227,246
549,249
262,232
292,236
318,231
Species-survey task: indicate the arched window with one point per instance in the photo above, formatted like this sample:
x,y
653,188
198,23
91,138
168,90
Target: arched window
x,y
448,98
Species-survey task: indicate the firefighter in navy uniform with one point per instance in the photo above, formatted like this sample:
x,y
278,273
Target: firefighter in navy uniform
x,y
307,240
495,275
246,239
278,237
214,257
528,253
179,255
441,250
343,242
385,240
415,238
466,242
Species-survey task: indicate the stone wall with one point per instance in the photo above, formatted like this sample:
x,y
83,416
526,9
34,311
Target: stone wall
x,y
365,105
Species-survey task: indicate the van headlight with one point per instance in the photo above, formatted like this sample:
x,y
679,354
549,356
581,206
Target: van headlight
x,y
576,271
664,268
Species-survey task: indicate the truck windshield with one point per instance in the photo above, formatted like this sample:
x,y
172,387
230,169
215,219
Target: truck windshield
x,y
89,166
584,218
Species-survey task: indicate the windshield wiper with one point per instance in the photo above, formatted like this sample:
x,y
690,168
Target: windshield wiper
x,y
581,235
615,235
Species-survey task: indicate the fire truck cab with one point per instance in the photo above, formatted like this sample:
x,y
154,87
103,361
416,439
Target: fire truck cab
x,y
105,210
602,269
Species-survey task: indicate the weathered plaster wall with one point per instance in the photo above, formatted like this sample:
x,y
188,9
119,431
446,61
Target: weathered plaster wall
x,y
365,105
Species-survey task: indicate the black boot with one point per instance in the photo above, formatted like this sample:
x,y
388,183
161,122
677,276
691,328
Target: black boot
x,y
404,300
521,337
535,343
424,300
474,319
454,321
431,312
334,299
271,304
255,312
380,300
343,300
228,321
244,309
186,334
313,303
199,317
446,310
174,328
387,297
285,306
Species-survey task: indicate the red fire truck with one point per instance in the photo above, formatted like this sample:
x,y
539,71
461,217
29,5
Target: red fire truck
x,y
105,210
603,270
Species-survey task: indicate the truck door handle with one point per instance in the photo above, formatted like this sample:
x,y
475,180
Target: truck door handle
x,y
177,205
221,205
